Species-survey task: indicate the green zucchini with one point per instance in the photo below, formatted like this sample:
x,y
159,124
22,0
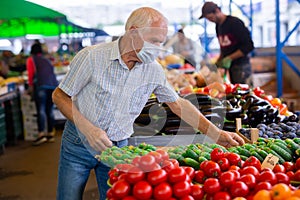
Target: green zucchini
x,y
191,154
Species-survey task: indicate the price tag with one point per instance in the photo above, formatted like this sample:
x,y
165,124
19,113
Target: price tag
x,y
238,124
270,161
254,134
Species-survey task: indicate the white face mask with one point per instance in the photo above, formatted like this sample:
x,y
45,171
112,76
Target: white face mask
x,y
148,53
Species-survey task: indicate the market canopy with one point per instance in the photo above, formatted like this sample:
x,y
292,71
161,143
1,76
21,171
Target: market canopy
x,y
19,18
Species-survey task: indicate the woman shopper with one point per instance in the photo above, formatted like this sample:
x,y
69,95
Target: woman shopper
x,y
42,82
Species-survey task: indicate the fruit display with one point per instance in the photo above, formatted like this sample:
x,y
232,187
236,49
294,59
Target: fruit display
x,y
223,175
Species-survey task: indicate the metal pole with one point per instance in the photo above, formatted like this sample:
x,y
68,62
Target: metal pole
x,y
278,52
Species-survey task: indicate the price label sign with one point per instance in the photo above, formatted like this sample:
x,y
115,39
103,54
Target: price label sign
x,y
270,161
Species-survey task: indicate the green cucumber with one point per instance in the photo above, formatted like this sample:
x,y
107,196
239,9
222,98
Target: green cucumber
x,y
268,150
292,145
249,146
243,157
192,163
205,155
296,140
213,146
243,151
255,154
189,153
285,147
284,154
201,159
262,153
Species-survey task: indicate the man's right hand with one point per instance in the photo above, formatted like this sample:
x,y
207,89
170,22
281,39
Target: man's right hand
x,y
97,138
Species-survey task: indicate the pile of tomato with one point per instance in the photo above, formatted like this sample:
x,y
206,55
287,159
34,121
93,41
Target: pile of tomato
x,y
226,176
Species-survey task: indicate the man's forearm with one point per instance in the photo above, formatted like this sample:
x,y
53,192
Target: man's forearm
x,y
191,115
63,103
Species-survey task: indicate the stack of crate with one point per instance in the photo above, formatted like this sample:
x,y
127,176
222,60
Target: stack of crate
x,y
13,116
2,128
29,118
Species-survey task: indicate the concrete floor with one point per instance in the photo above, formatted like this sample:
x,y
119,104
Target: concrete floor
x,y
30,172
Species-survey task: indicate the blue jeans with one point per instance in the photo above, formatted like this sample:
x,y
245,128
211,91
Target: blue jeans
x,y
44,106
76,162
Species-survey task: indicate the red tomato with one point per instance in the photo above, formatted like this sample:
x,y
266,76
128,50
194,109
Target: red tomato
x,y
267,176
129,198
156,155
157,176
236,173
189,171
227,178
199,176
181,189
142,190
297,164
290,174
147,163
234,167
122,177
136,160
262,186
224,164
162,191
109,193
289,166
123,168
211,185
113,175
212,169
234,158
297,175
134,175
175,162
188,197
252,161
167,165
249,179
164,154
197,191
177,175
250,170
222,196
216,154
239,189
120,189
282,178
279,168
203,164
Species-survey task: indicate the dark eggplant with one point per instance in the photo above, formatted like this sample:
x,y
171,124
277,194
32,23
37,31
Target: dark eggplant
x,y
248,103
153,106
229,126
244,118
215,118
227,104
241,92
234,113
198,97
179,130
233,101
257,109
293,118
221,110
143,119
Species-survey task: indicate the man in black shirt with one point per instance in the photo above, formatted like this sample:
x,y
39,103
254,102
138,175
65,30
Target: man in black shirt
x,y
235,43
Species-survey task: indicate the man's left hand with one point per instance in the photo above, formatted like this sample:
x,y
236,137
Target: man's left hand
x,y
229,139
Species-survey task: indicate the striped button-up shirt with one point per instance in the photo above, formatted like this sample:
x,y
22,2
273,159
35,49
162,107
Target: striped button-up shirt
x,y
110,95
